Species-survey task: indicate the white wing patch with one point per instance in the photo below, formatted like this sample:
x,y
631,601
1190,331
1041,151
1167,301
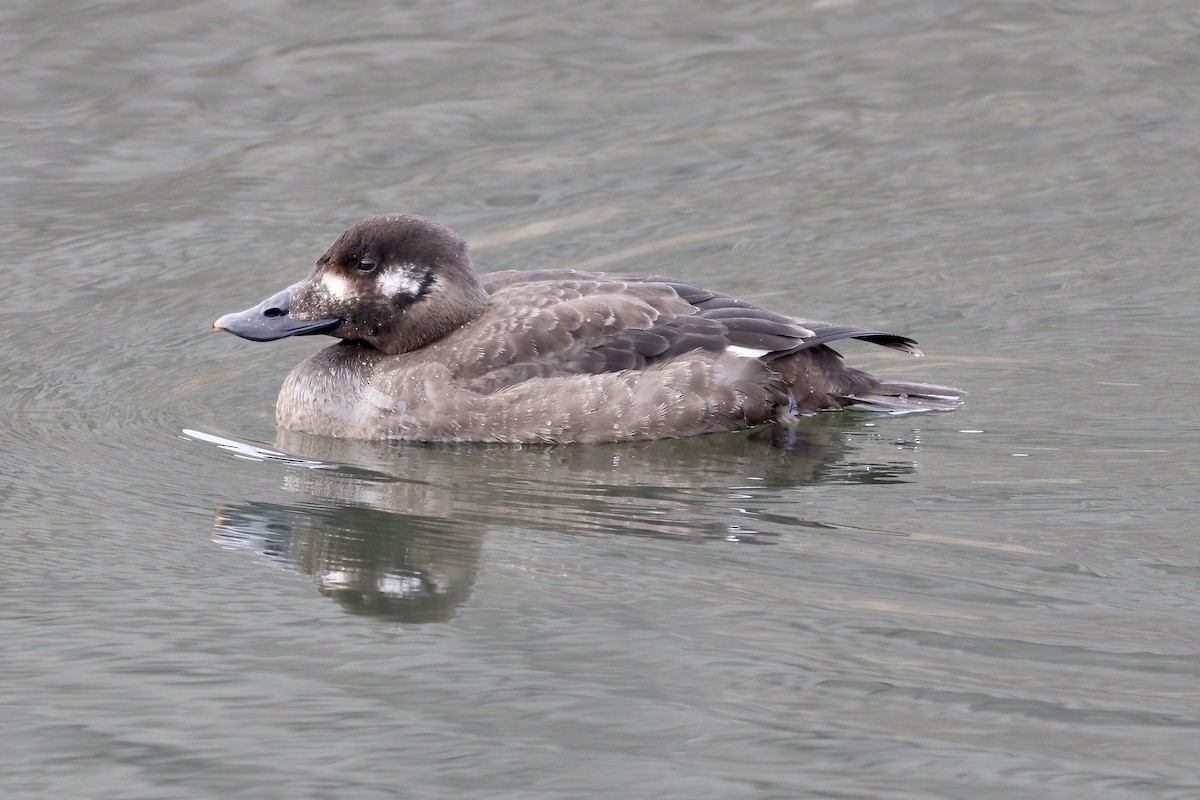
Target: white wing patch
x,y
404,279
746,352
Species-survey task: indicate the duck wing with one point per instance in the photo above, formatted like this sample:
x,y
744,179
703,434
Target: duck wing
x,y
563,322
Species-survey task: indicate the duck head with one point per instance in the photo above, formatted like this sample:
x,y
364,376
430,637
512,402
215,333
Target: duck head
x,y
396,282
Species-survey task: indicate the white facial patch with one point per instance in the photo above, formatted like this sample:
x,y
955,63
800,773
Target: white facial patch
x,y
746,352
405,279
336,286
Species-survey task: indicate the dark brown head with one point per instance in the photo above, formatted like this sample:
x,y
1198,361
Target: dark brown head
x,y
396,282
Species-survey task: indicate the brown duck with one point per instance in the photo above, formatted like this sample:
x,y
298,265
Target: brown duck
x,y
434,352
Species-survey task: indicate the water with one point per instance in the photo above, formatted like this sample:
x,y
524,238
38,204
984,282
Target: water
x,y
1000,602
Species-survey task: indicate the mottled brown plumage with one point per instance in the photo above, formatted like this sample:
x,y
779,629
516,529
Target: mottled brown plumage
x,y
433,352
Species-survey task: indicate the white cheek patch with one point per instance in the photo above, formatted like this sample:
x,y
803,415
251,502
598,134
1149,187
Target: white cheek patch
x,y
746,352
406,279
336,286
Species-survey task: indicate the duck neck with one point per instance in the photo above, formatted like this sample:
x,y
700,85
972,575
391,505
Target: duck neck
x,y
445,309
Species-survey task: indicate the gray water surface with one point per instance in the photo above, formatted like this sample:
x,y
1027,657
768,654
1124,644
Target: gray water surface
x,y
1001,602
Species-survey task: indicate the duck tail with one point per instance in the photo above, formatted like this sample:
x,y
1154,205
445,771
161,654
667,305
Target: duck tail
x,y
895,397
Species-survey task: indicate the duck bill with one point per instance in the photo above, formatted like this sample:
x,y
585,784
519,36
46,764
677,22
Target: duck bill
x,y
271,320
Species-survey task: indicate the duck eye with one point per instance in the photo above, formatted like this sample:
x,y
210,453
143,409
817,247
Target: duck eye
x,y
366,265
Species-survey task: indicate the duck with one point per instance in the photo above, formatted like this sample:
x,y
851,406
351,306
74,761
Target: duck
x,y
431,350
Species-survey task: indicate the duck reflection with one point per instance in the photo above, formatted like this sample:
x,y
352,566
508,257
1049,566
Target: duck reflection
x,y
396,530
374,562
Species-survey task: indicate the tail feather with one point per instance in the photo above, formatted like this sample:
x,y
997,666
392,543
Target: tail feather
x,y
905,398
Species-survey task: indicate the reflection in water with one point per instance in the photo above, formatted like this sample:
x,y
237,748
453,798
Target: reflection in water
x,y
370,561
397,528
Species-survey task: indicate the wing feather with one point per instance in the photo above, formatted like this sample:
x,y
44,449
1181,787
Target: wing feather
x,y
564,322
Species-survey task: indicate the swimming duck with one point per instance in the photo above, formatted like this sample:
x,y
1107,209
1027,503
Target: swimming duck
x,y
432,351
